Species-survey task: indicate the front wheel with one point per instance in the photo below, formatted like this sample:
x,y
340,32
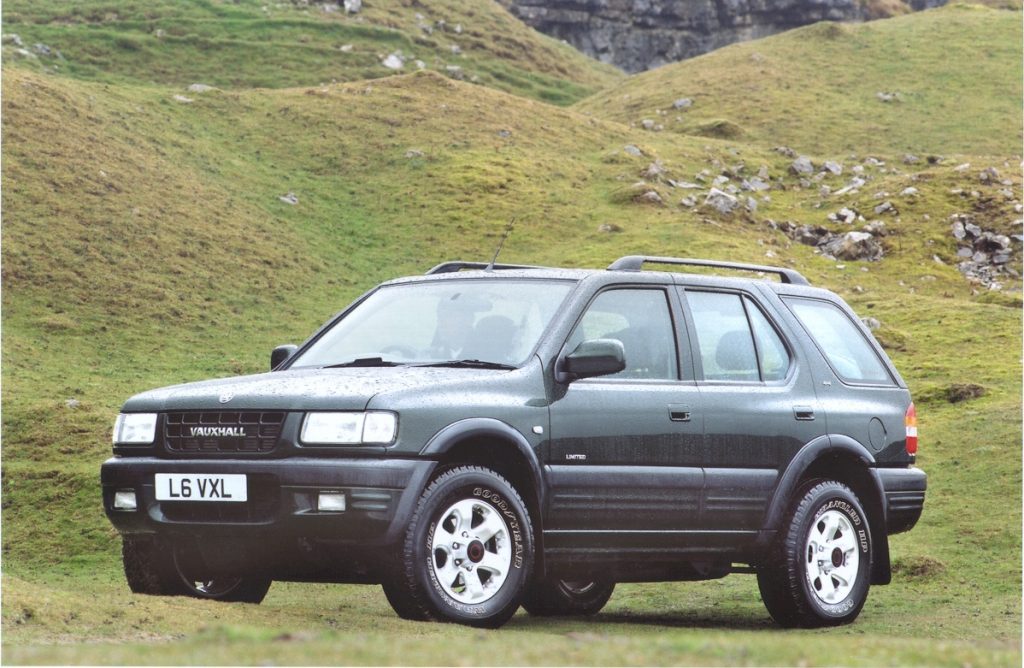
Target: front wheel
x,y
818,571
562,598
155,568
467,552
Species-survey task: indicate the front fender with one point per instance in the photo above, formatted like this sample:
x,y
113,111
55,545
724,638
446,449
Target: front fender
x,y
472,428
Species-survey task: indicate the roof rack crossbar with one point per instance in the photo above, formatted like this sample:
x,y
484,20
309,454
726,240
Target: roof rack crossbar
x,y
459,265
636,263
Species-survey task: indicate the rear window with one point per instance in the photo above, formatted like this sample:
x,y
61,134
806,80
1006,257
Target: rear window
x,y
736,341
839,339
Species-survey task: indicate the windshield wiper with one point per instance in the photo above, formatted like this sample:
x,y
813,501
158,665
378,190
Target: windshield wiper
x,y
361,361
470,364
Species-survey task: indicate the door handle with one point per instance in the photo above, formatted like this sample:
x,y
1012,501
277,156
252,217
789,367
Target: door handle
x,y
679,413
803,412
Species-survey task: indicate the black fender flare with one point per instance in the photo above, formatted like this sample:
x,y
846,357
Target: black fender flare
x,y
817,449
443,441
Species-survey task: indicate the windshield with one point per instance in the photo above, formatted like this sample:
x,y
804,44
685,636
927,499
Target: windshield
x,y
492,321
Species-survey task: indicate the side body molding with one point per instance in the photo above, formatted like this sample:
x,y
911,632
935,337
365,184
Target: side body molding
x,y
477,428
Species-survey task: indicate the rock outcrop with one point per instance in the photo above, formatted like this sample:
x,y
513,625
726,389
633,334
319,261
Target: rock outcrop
x,y
637,35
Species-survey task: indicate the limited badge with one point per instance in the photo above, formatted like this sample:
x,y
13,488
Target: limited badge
x,y
226,397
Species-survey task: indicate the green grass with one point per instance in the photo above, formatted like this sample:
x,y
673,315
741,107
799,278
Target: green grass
x,y
715,623
276,45
144,244
956,70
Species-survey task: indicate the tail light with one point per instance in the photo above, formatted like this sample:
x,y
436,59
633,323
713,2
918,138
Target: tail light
x,y
911,422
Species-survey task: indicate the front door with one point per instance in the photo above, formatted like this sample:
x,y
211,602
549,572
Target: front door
x,y
625,449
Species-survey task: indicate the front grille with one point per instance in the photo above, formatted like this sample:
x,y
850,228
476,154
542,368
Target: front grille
x,y
222,431
263,493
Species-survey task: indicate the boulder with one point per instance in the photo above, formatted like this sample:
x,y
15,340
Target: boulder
x,y
393,61
810,235
875,227
721,201
885,207
853,246
650,197
845,215
802,165
654,170
755,183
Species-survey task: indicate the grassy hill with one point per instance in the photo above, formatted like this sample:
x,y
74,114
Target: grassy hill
x,y
954,75
251,43
145,243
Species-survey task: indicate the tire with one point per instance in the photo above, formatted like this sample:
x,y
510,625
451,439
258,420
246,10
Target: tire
x,y
148,569
156,568
552,597
468,552
397,595
818,571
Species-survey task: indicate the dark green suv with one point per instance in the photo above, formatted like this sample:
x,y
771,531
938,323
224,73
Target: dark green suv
x,y
485,437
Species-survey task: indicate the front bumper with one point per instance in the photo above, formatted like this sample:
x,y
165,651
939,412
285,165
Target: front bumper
x,y
904,496
282,498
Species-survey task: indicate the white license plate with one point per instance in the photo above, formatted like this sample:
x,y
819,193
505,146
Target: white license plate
x,y
200,487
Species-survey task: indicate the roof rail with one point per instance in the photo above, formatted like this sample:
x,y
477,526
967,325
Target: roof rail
x,y
459,265
636,263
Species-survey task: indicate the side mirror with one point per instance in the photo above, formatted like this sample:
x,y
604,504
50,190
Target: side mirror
x,y
596,357
281,353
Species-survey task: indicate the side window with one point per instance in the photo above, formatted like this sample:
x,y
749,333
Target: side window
x,y
723,336
642,321
840,341
771,351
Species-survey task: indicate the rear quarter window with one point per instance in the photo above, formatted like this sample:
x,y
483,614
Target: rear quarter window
x,y
840,341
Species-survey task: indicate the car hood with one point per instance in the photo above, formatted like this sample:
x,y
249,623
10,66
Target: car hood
x,y
301,389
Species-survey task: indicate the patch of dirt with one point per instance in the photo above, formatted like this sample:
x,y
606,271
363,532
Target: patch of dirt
x,y
958,392
918,567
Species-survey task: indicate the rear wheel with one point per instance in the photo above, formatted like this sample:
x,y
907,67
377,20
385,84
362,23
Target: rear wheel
x,y
554,597
818,572
154,567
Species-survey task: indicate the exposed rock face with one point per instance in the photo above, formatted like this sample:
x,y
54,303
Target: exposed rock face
x,y
637,35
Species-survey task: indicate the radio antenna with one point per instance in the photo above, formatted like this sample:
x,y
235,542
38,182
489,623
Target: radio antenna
x,y
508,231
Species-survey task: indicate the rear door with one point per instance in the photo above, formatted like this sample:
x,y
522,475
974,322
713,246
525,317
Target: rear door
x,y
759,402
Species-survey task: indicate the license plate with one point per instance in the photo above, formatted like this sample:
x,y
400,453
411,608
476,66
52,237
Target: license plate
x,y
200,487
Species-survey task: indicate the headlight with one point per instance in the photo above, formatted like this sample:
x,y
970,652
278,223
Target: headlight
x,y
135,428
375,427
